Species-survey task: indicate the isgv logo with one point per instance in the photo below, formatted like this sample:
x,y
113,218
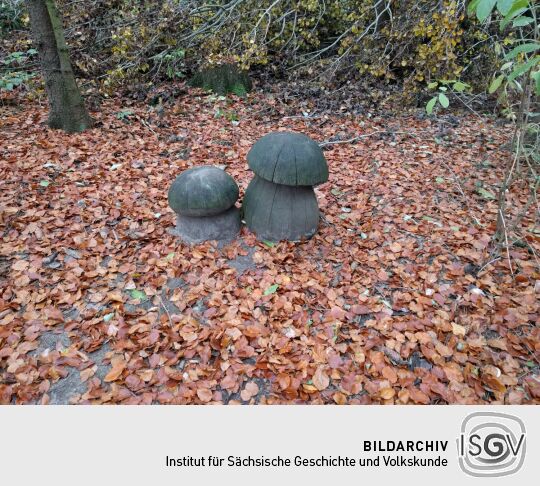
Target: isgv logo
x,y
491,444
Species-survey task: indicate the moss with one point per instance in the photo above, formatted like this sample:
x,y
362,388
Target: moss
x,y
222,80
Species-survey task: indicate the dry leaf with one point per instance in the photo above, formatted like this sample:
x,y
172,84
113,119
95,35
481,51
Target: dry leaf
x,y
251,389
20,265
458,330
204,394
387,393
339,398
320,379
118,366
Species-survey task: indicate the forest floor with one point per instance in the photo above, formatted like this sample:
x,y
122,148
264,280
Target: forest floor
x,y
399,297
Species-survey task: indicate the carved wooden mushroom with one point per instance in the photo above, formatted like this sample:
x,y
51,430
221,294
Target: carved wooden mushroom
x,y
203,199
279,203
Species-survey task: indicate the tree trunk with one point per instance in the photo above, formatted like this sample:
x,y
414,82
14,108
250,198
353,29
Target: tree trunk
x,y
66,106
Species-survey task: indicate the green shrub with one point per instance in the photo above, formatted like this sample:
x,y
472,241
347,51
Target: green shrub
x,y
11,15
12,71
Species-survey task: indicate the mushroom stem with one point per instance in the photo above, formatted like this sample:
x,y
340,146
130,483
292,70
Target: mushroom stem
x,y
195,229
278,212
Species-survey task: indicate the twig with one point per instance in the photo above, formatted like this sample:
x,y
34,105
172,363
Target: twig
x,y
147,125
488,263
501,214
351,140
303,117
360,137
166,310
458,184
394,356
470,108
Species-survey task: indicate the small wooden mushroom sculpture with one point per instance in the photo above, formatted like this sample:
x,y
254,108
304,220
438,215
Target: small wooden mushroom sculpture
x,y
279,203
203,199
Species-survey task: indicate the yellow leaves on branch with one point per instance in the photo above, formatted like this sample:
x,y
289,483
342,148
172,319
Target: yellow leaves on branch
x,y
416,41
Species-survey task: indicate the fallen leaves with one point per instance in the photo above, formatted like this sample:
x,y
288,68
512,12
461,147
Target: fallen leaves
x,y
443,350
87,373
118,365
493,383
418,396
271,290
204,394
458,330
321,379
20,265
390,374
53,315
390,302
339,398
387,393
251,389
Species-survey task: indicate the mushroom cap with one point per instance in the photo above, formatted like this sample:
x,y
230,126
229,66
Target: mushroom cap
x,y
202,191
288,158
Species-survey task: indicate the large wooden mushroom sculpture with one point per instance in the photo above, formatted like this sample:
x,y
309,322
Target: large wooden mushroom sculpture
x,y
279,203
203,199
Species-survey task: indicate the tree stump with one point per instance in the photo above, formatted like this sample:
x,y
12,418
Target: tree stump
x,y
222,80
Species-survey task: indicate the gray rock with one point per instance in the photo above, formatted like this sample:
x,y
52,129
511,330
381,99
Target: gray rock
x,y
97,357
175,283
50,339
243,262
61,391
